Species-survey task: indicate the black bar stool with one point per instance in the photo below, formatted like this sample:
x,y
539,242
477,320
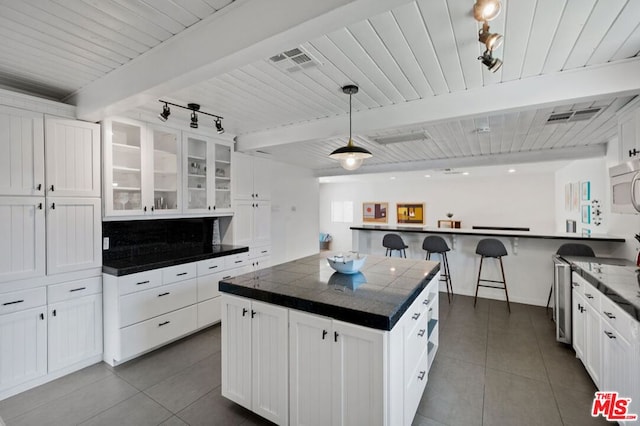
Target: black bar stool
x,y
394,242
435,244
490,247
571,249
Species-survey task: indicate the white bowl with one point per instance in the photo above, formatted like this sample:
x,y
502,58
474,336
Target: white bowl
x,y
349,264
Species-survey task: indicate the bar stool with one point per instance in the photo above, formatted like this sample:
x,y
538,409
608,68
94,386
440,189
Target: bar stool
x,y
571,249
435,244
490,247
394,242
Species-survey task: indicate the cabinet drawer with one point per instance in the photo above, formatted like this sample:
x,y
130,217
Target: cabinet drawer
x,y
74,289
617,320
21,300
260,251
177,273
146,335
210,266
236,260
415,342
592,295
578,283
208,286
209,312
140,281
414,386
234,272
146,304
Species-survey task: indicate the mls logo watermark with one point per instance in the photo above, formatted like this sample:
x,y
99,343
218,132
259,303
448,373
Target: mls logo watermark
x,y
611,407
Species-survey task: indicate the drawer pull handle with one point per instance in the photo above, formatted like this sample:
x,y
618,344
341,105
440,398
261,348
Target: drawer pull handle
x,y
425,302
244,311
39,206
180,274
588,296
335,336
421,332
12,303
164,294
77,289
238,261
227,277
41,316
143,282
213,267
421,375
55,312
39,187
264,251
610,335
324,334
253,313
609,315
575,284
163,323
52,189
416,316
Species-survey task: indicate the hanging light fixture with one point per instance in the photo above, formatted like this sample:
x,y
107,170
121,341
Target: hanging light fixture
x,y
350,156
484,11
164,115
490,62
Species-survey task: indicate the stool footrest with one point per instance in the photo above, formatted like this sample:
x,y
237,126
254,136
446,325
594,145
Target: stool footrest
x,y
491,281
491,286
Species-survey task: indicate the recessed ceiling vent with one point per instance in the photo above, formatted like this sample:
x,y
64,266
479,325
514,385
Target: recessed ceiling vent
x,y
450,172
580,115
294,60
407,137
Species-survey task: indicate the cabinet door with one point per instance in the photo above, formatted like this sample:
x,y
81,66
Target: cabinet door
x,y
357,373
619,364
72,157
198,176
243,222
22,245
262,178
578,326
236,350
628,131
269,362
75,331
21,152
243,176
310,344
123,179
222,175
74,233
23,346
261,223
165,179
593,338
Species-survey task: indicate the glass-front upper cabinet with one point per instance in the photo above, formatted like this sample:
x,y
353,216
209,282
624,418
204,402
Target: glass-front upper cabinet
x,y
166,170
123,167
207,175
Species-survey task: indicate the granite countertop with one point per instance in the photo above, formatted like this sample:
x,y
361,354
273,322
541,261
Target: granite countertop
x,y
490,233
176,256
376,297
617,279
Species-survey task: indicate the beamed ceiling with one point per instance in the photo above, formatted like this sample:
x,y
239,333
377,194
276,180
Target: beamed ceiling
x,y
425,101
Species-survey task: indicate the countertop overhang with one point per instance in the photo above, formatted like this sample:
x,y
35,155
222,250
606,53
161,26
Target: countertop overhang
x,y
177,256
376,297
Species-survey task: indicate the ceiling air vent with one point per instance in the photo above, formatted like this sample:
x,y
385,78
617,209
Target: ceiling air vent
x,y
408,137
294,60
450,172
580,115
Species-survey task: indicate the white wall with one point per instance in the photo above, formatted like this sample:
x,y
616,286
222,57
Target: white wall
x,y
520,200
294,213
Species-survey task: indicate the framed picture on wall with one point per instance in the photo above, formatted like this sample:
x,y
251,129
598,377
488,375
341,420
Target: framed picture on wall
x,y
410,213
375,212
571,226
575,196
586,214
585,191
567,196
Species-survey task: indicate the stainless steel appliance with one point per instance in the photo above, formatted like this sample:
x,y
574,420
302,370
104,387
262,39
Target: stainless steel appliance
x,y
625,190
562,298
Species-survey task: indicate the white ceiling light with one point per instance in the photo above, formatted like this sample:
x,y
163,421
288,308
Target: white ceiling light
x,y
465,173
512,170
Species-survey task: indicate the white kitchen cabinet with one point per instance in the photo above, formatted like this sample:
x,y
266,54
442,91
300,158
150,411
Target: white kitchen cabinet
x,y
586,326
23,346
74,234
251,177
166,178
207,175
210,272
255,357
22,246
252,223
21,152
72,158
629,131
578,324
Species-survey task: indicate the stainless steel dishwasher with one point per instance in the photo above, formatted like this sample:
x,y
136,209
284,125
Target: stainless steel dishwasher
x,y
562,298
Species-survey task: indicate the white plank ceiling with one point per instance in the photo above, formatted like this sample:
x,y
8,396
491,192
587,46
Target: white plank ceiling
x,y
421,50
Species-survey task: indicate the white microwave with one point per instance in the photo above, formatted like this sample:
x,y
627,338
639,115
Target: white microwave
x,y
625,187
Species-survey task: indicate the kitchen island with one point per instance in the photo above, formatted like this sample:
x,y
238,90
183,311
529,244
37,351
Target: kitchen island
x,y
302,344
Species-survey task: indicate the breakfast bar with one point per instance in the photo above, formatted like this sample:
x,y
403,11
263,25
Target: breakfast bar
x,y
303,344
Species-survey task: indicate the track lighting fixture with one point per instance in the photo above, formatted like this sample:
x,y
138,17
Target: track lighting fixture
x,y
486,10
195,110
491,40
166,112
350,156
490,62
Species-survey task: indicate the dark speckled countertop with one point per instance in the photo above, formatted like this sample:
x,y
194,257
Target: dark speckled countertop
x,y
376,297
179,255
617,279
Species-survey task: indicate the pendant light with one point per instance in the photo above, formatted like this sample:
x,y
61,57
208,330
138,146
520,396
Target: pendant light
x,y
350,156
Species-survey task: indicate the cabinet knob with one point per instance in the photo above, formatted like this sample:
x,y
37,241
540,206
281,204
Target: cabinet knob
x,y
244,311
151,208
416,316
39,187
41,316
421,375
54,313
52,188
145,208
209,207
421,332
40,206
324,334
335,336
253,313
53,206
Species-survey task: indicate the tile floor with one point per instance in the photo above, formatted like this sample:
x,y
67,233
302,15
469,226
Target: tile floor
x,y
492,368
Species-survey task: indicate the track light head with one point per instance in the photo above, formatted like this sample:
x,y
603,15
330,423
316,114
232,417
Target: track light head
x,y
219,127
486,10
194,120
166,112
489,61
492,41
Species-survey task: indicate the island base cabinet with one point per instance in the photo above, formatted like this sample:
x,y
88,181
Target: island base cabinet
x,y
255,358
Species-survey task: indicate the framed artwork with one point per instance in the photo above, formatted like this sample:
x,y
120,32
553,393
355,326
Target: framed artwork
x,y
586,232
575,196
410,213
585,191
571,226
567,196
375,212
586,214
